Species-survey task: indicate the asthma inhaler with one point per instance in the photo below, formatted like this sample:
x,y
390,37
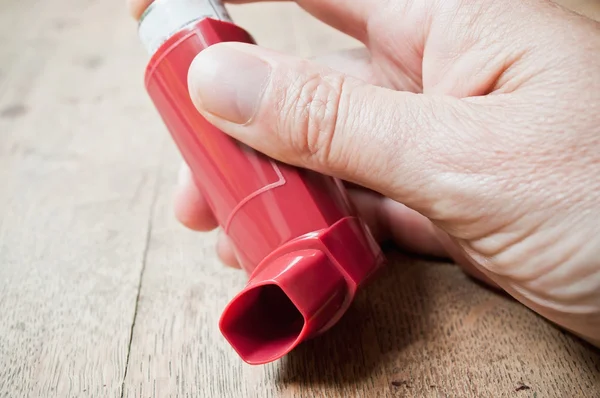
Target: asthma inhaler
x,y
294,231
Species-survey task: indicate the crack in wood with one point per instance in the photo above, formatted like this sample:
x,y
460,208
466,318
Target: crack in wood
x,y
143,268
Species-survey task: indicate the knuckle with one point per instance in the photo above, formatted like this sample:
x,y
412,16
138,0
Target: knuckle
x,y
311,117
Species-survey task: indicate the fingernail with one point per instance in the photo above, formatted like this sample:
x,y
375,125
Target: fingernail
x,y
228,83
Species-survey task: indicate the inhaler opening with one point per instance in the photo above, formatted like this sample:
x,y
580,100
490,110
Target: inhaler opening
x,y
262,324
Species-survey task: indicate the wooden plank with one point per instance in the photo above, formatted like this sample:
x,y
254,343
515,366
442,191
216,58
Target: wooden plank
x,y
77,181
423,329
86,174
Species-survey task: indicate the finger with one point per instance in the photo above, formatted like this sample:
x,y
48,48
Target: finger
x,y
412,232
390,220
191,209
350,17
137,7
225,251
313,117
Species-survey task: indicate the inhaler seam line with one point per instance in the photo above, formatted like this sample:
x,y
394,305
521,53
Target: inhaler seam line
x,y
253,195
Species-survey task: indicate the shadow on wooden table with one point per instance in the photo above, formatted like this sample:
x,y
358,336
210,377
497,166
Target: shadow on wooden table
x,y
386,317
426,328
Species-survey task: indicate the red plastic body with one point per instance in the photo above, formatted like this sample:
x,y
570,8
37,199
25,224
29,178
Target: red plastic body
x,y
294,231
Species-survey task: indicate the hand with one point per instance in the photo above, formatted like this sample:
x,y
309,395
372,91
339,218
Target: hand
x,y
474,125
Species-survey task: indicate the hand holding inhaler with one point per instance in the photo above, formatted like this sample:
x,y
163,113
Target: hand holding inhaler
x,y
489,141
294,231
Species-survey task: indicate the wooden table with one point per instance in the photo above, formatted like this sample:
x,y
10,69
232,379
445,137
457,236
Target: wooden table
x,y
104,294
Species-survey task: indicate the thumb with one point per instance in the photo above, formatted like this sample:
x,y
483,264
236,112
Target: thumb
x,y
312,117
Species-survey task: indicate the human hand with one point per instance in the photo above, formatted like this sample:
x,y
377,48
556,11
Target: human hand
x,y
474,125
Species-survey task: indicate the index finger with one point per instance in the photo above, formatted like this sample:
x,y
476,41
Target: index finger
x,y
350,17
137,7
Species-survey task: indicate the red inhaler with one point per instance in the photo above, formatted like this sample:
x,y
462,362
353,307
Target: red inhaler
x,y
294,231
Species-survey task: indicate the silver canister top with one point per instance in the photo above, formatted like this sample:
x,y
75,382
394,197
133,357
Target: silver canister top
x,y
163,18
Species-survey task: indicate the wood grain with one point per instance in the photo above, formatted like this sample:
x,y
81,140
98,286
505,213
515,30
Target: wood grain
x,y
104,294
77,181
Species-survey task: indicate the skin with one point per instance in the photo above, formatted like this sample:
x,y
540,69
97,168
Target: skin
x,y
465,129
